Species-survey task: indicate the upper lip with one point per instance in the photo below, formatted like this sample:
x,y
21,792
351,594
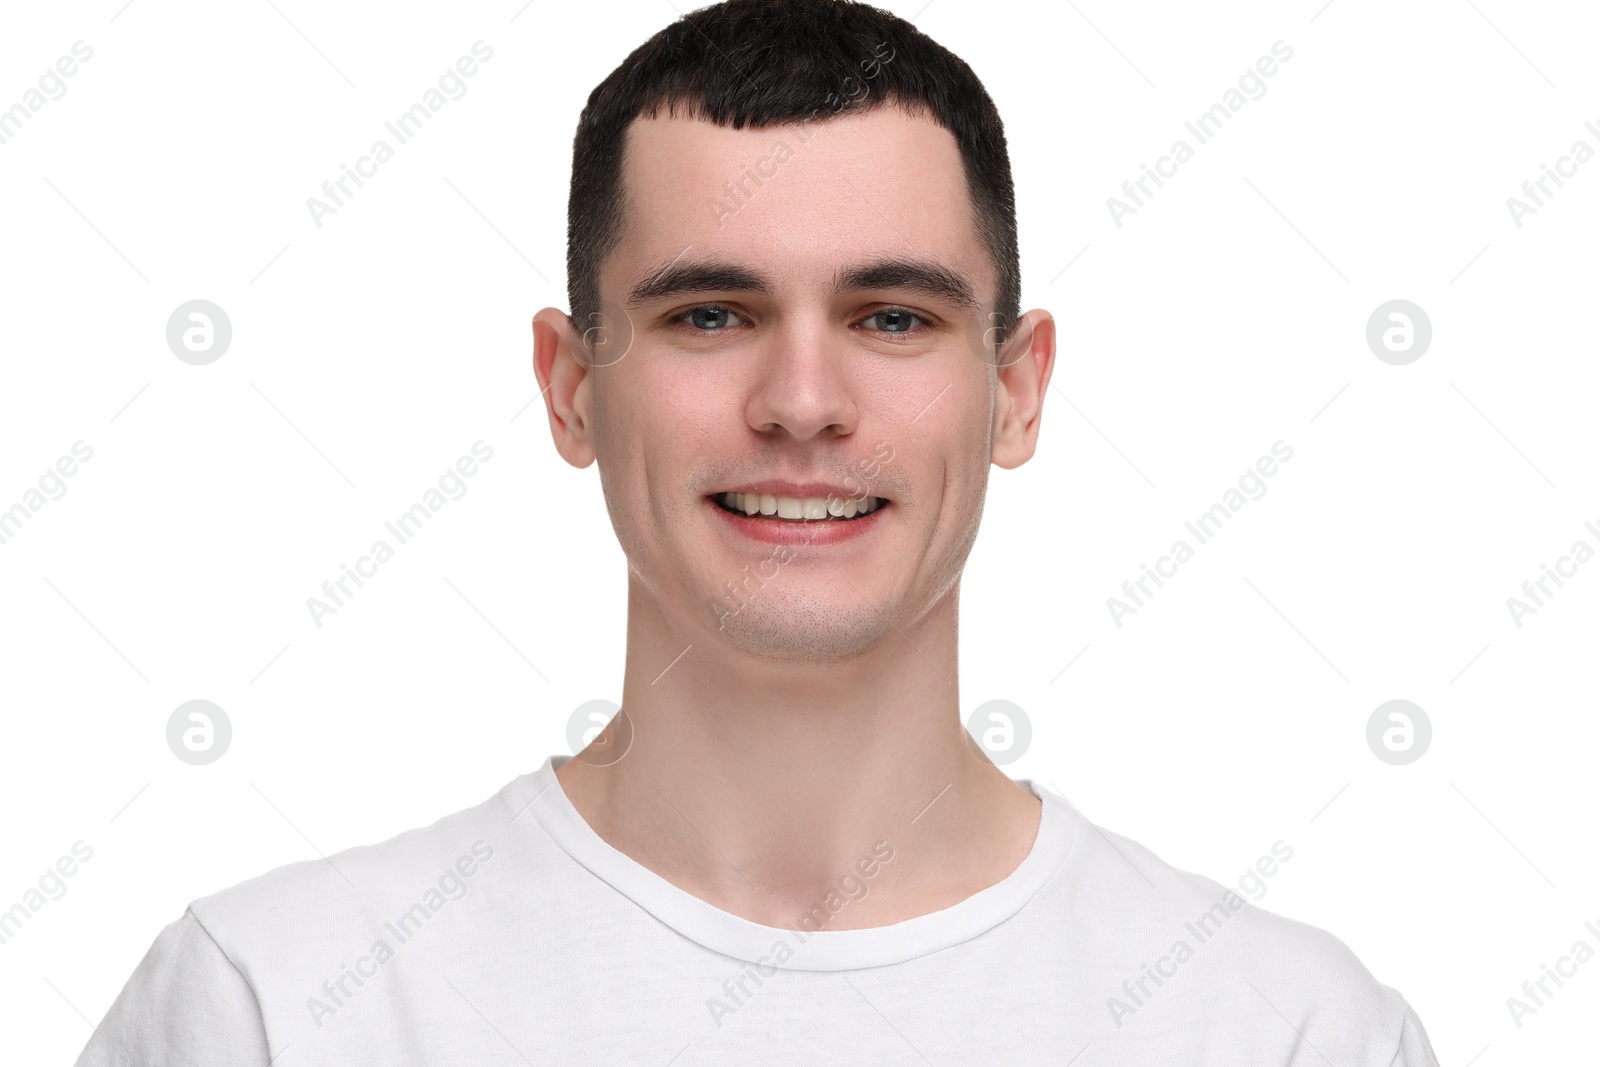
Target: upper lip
x,y
802,490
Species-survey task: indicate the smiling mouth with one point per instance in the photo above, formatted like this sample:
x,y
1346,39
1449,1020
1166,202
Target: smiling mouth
x,y
798,509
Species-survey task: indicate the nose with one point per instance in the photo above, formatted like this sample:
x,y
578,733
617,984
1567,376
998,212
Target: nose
x,y
806,386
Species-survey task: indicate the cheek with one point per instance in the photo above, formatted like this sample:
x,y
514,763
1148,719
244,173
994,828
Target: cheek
x,y
633,413
650,437
966,474
969,426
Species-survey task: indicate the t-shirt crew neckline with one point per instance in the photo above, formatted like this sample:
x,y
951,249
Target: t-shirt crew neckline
x,y
824,950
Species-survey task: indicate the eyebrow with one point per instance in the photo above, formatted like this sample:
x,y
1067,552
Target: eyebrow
x,y
916,275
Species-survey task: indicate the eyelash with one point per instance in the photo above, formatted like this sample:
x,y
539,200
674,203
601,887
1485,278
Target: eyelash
x,y
678,320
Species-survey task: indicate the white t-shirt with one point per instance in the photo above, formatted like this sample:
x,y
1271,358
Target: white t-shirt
x,y
511,933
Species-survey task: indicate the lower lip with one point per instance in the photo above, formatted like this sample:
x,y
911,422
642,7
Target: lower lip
x,y
797,531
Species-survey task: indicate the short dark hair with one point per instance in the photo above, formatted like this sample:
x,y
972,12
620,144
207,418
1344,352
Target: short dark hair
x,y
764,62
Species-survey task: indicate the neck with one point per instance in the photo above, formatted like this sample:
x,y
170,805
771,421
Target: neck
x,y
763,786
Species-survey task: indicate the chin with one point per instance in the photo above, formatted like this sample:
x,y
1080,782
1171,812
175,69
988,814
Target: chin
x,y
802,633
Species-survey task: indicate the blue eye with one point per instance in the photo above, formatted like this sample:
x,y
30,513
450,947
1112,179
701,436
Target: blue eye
x,y
715,318
708,318
895,320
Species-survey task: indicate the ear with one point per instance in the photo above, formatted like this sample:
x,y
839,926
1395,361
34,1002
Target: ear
x,y
1024,364
565,383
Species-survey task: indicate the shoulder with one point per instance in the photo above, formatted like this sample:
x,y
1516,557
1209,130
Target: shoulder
x,y
282,951
185,1003
348,896
364,868
1176,949
229,969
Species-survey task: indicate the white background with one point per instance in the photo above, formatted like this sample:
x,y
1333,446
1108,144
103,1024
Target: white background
x,y
1226,314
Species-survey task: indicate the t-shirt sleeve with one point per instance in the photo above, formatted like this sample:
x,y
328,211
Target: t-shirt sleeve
x,y
186,1005
1414,1050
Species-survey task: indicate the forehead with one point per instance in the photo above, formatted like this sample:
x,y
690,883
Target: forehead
x,y
796,200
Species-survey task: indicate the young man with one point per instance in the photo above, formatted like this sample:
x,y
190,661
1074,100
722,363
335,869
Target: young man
x,y
794,352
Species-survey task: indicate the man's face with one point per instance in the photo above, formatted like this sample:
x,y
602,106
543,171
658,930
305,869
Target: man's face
x,y
768,375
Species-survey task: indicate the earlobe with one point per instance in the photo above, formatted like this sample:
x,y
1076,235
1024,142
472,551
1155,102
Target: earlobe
x,y
1026,361
563,378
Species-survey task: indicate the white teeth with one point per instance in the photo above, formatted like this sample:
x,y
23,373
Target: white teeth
x,y
798,508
